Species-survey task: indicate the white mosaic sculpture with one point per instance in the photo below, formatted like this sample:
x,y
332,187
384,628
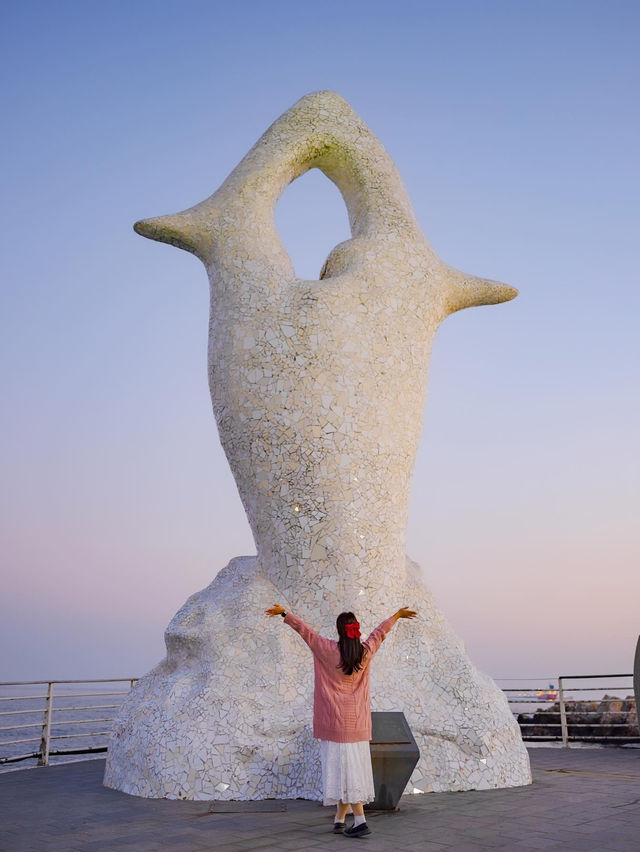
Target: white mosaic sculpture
x,y
318,390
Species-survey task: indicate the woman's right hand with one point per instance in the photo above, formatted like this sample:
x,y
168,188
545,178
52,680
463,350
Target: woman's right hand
x,y
405,612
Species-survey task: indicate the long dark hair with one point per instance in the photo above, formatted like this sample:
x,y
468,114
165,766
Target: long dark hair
x,y
351,650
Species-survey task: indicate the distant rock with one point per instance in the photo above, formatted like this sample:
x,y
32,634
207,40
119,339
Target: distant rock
x,y
610,719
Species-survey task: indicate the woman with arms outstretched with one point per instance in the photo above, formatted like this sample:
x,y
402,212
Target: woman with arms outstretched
x,y
342,711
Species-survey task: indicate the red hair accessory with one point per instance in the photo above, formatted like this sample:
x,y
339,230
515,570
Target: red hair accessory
x,y
352,630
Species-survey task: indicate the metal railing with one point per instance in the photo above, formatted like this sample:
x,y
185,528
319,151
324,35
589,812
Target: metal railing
x,y
556,715
564,715
53,725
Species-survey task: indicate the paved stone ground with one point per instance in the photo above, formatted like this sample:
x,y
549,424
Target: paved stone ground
x,y
580,799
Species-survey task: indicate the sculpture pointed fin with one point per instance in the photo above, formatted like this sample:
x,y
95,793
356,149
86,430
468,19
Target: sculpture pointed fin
x,y
467,291
187,230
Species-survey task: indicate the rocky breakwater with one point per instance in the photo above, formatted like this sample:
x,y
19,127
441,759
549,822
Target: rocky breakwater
x,y
610,719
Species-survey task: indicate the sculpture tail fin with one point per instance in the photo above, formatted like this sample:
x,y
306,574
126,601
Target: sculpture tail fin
x,y
467,291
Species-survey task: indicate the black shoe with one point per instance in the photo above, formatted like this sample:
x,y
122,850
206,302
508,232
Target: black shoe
x,y
357,830
338,827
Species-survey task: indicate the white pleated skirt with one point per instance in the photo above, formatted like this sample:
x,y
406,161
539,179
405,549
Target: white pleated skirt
x,y
346,772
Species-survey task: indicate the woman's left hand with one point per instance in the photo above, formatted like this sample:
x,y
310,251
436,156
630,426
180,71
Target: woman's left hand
x,y
276,609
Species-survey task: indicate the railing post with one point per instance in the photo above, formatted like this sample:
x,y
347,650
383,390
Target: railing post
x,y
636,681
43,758
563,716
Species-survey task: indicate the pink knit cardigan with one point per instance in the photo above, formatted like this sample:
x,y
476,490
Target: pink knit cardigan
x,y
341,703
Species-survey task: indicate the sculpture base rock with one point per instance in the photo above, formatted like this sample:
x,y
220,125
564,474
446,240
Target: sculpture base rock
x,y
227,715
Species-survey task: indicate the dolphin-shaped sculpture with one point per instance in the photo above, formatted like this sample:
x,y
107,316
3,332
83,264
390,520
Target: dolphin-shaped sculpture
x,y
318,387
318,390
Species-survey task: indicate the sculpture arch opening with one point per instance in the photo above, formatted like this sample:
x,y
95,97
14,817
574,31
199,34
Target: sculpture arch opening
x,y
311,219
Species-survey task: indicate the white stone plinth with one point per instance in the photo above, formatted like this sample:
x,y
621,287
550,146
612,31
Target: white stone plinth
x,y
227,715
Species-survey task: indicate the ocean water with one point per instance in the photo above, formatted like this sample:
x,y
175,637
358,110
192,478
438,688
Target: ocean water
x,y
82,716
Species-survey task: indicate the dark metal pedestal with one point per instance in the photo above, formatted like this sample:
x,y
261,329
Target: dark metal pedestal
x,y
394,755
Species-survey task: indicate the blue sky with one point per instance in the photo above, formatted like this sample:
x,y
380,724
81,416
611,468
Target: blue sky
x,y
515,127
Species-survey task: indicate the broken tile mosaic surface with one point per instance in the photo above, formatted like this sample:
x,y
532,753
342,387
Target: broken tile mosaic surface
x,y
318,390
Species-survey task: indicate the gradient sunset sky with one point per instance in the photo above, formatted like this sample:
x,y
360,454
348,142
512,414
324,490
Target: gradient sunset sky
x,y
515,128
